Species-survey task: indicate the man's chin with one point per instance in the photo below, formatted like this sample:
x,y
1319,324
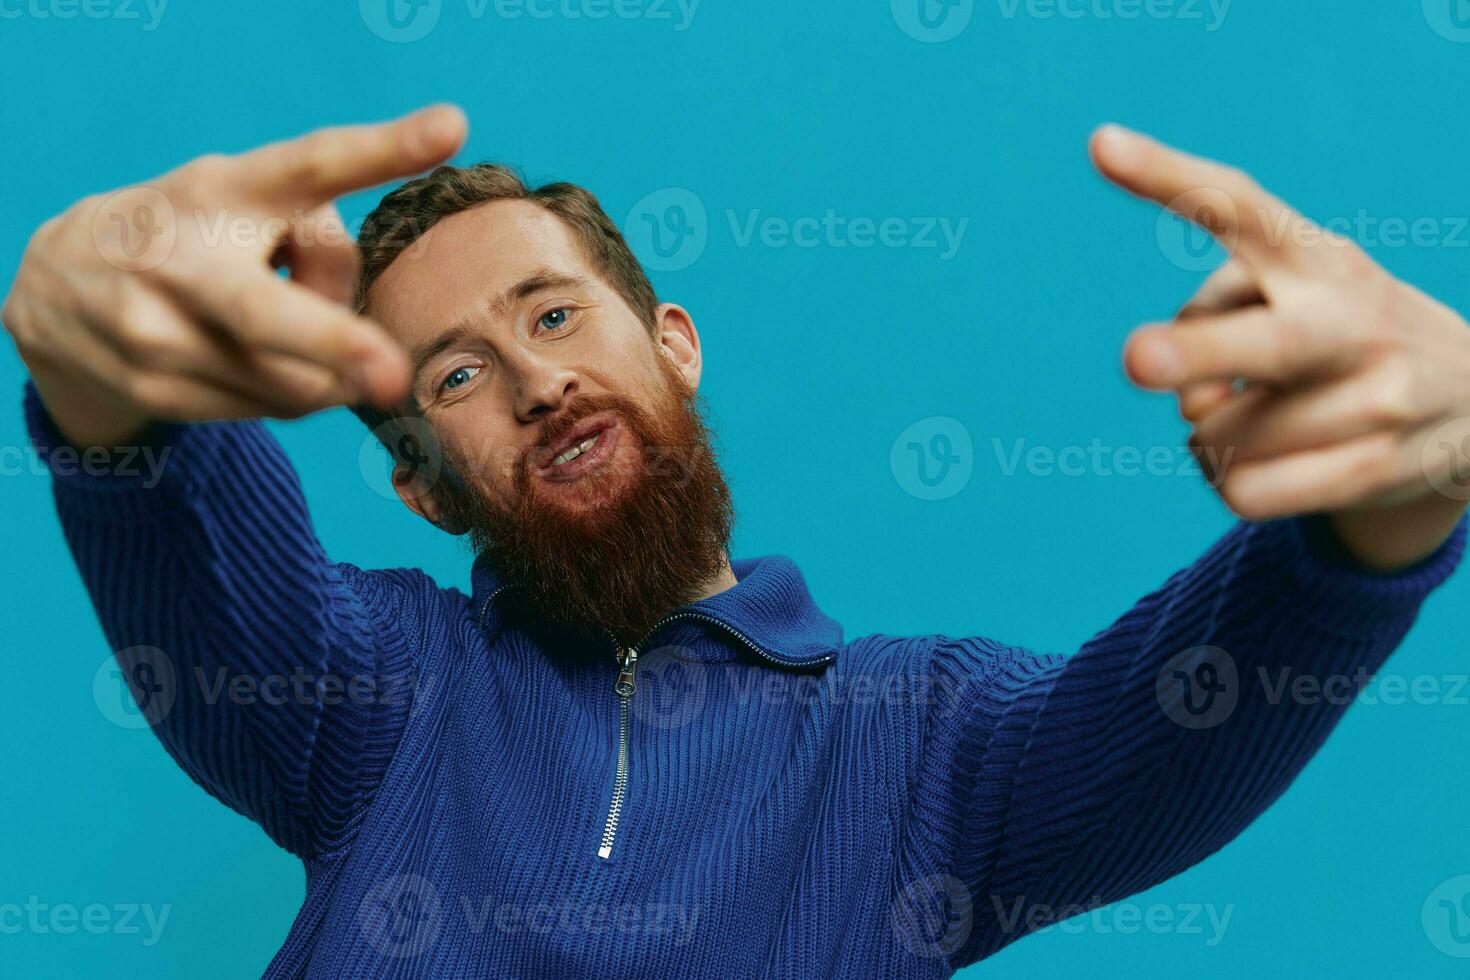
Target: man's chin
x,y
578,500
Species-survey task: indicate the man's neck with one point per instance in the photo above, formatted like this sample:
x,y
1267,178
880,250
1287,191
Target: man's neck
x,y
719,582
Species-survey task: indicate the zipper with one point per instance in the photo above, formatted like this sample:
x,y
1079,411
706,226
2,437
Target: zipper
x,y
627,664
489,600
625,685
750,644
627,658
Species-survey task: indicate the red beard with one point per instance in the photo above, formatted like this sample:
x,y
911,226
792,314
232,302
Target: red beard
x,y
651,527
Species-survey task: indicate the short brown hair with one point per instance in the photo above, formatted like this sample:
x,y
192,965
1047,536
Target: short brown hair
x,y
406,214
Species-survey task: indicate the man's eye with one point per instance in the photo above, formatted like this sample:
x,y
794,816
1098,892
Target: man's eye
x,y
458,377
553,319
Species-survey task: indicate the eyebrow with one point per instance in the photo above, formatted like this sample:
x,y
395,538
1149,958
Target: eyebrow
x,y
538,281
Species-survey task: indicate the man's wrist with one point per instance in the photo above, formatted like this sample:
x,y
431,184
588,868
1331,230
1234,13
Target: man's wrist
x,y
1386,539
87,420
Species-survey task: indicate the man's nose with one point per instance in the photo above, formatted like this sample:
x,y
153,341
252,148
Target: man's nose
x,y
542,386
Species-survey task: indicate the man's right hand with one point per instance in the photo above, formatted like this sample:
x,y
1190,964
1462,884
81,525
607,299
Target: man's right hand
x,y
160,301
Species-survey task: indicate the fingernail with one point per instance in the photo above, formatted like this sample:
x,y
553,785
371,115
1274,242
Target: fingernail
x,y
1168,363
1118,143
363,375
436,128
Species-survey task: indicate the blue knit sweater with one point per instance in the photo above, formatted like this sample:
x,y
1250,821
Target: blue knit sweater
x,y
472,795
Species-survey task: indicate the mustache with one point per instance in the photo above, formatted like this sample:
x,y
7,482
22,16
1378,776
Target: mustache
x,y
558,428
483,456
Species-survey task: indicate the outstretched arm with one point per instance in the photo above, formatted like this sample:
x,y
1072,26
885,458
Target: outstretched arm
x,y
1060,784
1331,407
156,332
278,679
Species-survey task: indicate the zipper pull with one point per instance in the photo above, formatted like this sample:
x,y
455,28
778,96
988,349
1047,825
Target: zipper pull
x,y
627,663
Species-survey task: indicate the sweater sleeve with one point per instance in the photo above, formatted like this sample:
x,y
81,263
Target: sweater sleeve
x,y
277,679
1052,785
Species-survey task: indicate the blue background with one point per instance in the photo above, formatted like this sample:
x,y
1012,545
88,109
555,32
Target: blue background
x,y
816,360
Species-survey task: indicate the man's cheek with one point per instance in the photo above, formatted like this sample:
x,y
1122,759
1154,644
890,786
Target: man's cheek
x,y
506,464
484,461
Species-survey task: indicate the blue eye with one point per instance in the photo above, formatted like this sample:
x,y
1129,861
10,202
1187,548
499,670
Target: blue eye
x,y
458,377
553,319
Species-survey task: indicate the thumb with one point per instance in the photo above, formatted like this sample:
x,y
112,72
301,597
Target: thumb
x,y
320,254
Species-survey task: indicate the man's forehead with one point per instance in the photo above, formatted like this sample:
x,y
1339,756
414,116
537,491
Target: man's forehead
x,y
466,260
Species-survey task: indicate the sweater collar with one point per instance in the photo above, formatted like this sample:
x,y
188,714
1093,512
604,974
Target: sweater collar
x,y
768,610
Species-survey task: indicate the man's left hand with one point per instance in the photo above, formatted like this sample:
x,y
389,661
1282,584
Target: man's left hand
x,y
1313,379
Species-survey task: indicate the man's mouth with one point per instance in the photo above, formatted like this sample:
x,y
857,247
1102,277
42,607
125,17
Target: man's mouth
x,y
580,451
575,451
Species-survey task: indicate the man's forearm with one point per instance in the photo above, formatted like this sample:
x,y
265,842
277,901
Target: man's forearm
x,y
1172,729
208,568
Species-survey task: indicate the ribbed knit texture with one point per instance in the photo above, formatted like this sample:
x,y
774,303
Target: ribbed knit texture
x,y
798,805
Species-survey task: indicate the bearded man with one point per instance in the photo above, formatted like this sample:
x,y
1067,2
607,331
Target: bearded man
x,y
483,785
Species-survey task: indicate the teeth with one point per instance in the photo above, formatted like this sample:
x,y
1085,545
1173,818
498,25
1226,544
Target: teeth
x,y
576,450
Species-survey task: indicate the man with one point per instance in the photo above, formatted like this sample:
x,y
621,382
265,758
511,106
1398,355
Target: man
x,y
484,785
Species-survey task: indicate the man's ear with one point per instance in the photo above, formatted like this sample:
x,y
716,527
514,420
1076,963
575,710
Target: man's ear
x,y
418,496
678,340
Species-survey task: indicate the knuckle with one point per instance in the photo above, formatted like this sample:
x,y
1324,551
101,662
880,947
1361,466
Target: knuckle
x,y
1309,311
1382,305
53,226
1277,344
53,235
176,273
1238,183
1192,408
131,330
306,158
1392,402
1389,410
230,302
79,211
206,171
152,393
18,325
1353,263
144,340
1375,471
246,308
1243,499
303,390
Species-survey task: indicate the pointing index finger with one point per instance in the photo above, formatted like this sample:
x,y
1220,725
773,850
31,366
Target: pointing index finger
x,y
328,163
1245,218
